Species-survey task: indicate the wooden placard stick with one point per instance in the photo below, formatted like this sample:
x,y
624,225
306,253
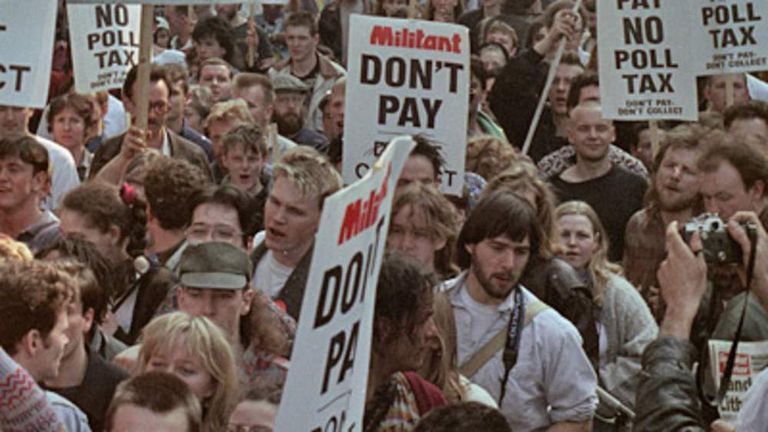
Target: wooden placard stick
x,y
653,125
141,93
547,85
250,58
729,96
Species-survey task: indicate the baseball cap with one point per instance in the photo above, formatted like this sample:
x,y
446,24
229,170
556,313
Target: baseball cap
x,y
215,265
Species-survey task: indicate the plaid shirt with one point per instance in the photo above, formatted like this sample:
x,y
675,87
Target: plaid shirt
x,y
644,250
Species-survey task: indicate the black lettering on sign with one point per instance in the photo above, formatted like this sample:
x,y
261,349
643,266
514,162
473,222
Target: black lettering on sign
x,y
645,58
727,37
640,31
109,15
354,288
727,14
116,57
638,4
409,111
16,75
341,349
648,83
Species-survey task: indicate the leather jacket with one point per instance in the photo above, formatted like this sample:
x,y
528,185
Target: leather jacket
x,y
666,398
557,284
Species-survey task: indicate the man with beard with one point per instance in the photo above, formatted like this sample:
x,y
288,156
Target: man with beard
x,y
291,112
614,192
674,196
504,331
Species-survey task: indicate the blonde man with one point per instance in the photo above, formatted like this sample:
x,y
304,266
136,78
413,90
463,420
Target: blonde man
x,y
302,180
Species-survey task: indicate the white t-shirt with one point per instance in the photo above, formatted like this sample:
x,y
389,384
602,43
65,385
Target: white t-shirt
x,y
270,276
64,177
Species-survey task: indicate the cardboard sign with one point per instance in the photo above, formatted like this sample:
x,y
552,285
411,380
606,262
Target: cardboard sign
x,y
751,358
105,44
732,36
406,77
644,62
26,51
326,384
156,2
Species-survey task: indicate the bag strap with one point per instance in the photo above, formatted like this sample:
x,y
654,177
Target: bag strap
x,y
481,356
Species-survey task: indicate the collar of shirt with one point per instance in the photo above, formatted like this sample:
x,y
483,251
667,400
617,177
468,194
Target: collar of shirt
x,y
165,150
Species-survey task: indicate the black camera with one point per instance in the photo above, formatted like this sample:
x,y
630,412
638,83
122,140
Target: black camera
x,y
719,247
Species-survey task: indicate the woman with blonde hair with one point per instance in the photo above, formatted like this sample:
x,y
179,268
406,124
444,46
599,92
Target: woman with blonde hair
x,y
197,351
625,324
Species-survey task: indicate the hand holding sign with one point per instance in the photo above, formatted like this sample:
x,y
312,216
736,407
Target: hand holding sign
x,y
134,143
566,25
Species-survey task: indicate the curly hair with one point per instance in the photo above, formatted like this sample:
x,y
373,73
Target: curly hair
x,y
488,156
102,205
33,295
83,107
169,185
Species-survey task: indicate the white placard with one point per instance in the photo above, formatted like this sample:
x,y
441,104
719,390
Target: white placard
x,y
751,358
157,2
326,384
645,60
26,51
732,36
406,77
105,44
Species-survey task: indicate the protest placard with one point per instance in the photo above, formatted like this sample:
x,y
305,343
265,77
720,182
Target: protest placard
x,y
25,59
644,63
159,2
732,36
751,358
105,44
326,384
406,77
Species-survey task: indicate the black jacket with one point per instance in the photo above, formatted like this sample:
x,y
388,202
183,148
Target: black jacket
x,y
666,398
556,283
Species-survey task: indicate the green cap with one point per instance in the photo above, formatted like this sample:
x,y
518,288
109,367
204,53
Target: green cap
x,y
215,265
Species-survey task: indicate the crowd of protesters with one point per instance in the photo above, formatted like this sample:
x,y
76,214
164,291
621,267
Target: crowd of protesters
x,y
152,279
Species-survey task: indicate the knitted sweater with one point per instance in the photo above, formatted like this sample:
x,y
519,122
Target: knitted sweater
x,y
23,405
629,328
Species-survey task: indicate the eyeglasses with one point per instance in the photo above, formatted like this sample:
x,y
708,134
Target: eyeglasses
x,y
202,232
158,106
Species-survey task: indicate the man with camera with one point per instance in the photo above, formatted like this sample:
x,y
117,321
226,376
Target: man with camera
x,y
733,178
667,396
